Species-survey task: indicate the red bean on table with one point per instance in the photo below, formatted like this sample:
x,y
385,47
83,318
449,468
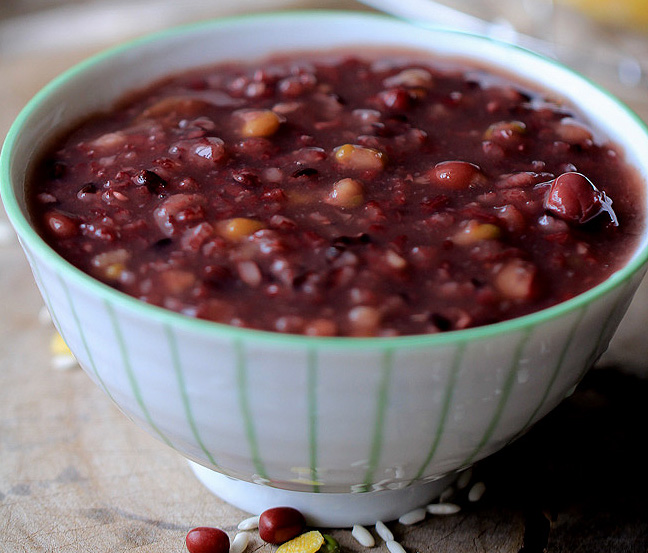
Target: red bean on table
x,y
207,540
280,524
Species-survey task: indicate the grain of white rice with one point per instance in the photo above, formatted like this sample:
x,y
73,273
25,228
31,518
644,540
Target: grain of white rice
x,y
249,273
464,479
6,234
273,174
476,492
240,542
44,316
446,494
395,547
417,515
384,532
63,362
363,536
443,508
251,523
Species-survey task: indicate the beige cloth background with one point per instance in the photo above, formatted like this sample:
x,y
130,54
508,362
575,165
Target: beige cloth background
x,y
75,474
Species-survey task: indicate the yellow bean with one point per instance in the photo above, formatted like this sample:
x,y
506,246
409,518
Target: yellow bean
x,y
239,228
476,232
360,158
504,130
364,320
177,281
114,271
346,193
111,264
260,123
516,280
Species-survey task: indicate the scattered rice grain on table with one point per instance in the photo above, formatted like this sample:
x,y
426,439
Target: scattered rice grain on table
x,y
6,234
250,523
384,532
240,542
446,494
363,536
413,517
443,508
63,363
464,479
44,316
395,547
476,492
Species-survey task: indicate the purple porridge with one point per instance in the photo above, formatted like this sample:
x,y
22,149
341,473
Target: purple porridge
x,y
341,196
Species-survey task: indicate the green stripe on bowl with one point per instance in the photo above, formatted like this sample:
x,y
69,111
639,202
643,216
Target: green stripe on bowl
x,y
387,366
312,379
554,375
135,388
445,407
57,323
179,372
84,340
244,405
612,316
506,392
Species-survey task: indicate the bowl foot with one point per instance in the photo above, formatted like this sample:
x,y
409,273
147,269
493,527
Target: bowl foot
x,y
324,510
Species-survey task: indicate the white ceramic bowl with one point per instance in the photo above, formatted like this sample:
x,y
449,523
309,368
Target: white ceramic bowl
x,y
348,430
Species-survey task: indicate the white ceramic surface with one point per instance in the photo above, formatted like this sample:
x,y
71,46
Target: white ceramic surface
x,y
330,415
328,510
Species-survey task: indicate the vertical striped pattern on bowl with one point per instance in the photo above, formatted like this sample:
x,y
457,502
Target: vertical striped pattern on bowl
x,y
327,418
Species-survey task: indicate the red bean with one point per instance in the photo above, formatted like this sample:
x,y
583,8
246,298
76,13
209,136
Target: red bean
x,y
493,151
280,524
207,540
574,198
61,225
297,85
456,175
177,211
396,98
153,182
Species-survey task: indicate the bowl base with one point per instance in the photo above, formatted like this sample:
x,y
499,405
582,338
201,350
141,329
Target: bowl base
x,y
324,510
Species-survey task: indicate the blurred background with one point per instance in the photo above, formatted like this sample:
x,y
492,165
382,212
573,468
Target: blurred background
x,y
605,39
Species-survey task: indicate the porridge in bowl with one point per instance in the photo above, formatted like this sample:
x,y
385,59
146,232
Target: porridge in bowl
x,y
349,196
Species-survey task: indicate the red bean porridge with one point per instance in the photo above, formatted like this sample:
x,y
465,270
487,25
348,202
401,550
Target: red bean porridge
x,y
341,195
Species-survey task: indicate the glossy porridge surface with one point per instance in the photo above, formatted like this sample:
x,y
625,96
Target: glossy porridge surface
x,y
341,195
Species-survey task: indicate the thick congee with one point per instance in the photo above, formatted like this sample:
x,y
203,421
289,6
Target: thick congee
x,y
341,195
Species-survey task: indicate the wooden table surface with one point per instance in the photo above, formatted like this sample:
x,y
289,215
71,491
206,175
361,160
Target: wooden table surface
x,y
77,476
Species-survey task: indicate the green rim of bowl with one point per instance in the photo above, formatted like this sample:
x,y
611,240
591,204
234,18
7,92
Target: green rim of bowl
x,y
35,242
